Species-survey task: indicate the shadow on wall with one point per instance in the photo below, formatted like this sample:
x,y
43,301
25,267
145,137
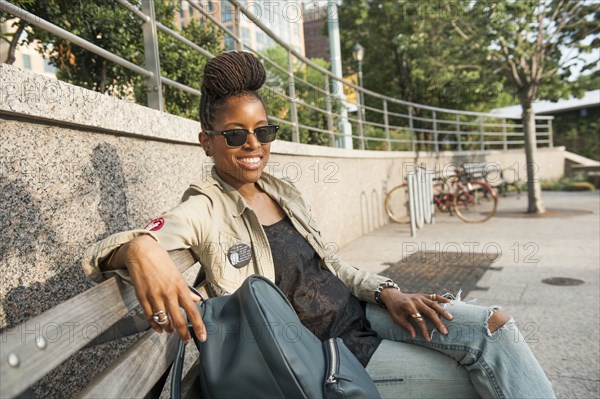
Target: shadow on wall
x,y
108,174
40,269
27,245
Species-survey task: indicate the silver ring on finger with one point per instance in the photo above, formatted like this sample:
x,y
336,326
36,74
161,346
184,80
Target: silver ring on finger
x,y
160,317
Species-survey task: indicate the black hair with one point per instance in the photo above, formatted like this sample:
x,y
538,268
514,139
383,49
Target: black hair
x,y
230,74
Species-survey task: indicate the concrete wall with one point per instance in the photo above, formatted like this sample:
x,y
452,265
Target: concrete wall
x,y
76,166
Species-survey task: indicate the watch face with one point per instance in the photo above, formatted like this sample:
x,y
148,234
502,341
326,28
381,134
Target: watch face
x,y
239,255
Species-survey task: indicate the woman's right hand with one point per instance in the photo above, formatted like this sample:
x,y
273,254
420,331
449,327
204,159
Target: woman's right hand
x,y
159,286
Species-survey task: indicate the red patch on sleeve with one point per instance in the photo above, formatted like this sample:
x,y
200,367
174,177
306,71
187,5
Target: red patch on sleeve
x,y
155,224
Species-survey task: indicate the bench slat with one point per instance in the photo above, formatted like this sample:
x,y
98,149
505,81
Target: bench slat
x,y
67,328
134,374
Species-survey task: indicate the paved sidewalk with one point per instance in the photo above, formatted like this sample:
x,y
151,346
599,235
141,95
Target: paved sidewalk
x,y
561,323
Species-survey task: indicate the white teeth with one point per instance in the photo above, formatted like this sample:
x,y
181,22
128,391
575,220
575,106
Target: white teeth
x,y
250,160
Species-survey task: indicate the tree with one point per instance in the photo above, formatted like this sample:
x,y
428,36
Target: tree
x,y
112,27
473,54
535,45
412,53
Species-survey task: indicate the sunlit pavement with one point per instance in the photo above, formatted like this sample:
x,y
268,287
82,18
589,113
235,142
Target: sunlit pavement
x,y
561,323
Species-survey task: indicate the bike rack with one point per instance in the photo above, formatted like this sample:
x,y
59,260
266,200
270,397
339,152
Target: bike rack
x,y
420,194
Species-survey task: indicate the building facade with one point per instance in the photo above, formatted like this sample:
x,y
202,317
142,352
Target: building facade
x,y
315,21
283,17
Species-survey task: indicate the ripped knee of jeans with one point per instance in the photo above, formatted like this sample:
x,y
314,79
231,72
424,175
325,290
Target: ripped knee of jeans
x,y
496,319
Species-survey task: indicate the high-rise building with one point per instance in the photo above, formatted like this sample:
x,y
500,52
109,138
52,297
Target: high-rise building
x,y
187,12
315,20
283,17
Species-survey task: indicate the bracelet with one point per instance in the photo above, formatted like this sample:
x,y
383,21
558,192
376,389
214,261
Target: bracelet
x,y
382,286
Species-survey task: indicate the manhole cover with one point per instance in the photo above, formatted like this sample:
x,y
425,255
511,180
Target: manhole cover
x,y
562,281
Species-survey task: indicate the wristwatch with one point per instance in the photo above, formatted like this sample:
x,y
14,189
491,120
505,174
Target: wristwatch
x,y
382,286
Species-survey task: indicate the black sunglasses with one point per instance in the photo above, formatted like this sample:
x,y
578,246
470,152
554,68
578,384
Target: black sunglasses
x,y
238,137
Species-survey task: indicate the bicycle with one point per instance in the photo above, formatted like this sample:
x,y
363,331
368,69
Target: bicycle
x,y
396,202
472,199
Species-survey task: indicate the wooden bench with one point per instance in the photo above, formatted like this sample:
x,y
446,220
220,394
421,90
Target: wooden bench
x,y
97,315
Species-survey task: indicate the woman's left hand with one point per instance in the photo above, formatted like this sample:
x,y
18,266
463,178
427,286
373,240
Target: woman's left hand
x,y
408,311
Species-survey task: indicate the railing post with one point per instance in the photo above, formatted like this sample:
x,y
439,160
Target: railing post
x,y
481,142
333,29
329,116
436,144
292,94
236,28
505,140
411,129
550,134
459,143
359,114
153,83
386,122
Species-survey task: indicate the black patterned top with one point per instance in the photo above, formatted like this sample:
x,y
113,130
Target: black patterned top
x,y
322,301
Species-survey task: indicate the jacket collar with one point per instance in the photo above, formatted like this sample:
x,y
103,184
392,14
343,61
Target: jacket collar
x,y
282,191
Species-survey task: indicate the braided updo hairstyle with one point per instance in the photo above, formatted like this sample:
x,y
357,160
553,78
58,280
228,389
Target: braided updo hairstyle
x,y
228,75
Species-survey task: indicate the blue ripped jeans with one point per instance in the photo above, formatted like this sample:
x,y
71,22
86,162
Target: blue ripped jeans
x,y
469,362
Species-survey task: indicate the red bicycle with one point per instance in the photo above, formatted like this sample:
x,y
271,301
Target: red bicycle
x,y
472,199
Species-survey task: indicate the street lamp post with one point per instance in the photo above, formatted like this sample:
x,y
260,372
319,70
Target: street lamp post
x,y
358,53
336,67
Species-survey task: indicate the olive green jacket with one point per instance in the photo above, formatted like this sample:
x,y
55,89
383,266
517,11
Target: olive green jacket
x,y
213,217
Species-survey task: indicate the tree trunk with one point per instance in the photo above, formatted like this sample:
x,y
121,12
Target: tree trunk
x,y
10,57
534,189
102,85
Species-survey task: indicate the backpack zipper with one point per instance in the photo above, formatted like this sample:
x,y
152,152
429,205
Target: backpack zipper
x,y
333,361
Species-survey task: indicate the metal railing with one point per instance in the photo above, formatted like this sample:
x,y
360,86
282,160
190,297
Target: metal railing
x,y
309,109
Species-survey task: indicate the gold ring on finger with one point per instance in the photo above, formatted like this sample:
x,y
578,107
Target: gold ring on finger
x,y
433,297
416,316
160,317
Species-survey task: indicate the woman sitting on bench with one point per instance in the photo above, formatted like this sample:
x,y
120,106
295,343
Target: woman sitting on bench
x,y
240,221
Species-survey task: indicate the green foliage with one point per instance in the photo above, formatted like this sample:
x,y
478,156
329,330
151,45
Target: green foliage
x,y
186,66
590,81
526,41
567,184
412,53
469,55
579,134
309,88
112,27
